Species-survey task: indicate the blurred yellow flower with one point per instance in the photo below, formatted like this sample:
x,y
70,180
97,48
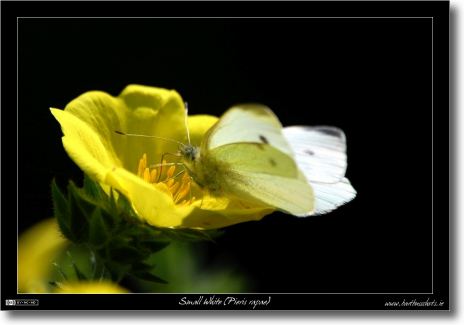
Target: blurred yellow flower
x,y
92,287
122,162
37,248
40,246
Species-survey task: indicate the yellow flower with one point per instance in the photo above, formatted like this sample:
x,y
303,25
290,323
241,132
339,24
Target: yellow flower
x,y
37,248
123,163
92,287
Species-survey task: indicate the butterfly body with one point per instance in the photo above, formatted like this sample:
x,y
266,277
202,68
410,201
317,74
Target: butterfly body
x,y
206,173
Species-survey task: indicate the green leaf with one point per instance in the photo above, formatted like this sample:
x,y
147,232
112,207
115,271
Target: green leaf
x,y
79,274
98,233
62,213
147,276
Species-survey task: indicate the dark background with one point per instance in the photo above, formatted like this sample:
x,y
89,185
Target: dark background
x,y
370,77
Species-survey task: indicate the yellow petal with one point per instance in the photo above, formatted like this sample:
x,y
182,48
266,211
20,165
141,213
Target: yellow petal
x,y
138,109
158,209
84,146
198,126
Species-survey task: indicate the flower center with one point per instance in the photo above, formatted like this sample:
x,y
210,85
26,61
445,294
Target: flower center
x,y
165,181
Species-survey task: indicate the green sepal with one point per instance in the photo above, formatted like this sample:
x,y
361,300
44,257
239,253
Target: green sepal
x,y
81,212
98,232
60,270
110,219
125,206
62,213
147,276
93,189
185,234
142,267
113,205
123,252
86,206
155,246
125,255
57,284
115,271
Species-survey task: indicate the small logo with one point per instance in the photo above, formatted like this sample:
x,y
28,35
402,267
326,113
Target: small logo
x,y
22,302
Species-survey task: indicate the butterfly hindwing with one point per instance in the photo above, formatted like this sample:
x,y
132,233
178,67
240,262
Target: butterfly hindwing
x,y
261,174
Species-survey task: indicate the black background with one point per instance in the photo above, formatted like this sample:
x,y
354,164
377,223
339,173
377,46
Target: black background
x,y
372,77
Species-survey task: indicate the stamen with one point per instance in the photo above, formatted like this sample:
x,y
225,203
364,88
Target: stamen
x,y
181,194
182,188
162,167
171,171
153,176
139,173
174,187
146,175
170,182
178,190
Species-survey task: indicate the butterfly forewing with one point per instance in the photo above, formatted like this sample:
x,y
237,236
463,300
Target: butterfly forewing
x,y
331,196
247,123
320,153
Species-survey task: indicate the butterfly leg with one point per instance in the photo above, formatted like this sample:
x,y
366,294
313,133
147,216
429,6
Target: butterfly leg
x,y
162,159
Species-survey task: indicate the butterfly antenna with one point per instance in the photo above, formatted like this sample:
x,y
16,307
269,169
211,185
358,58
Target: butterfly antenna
x,y
145,136
186,122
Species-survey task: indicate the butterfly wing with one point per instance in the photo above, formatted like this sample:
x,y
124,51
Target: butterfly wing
x,y
247,123
320,153
261,174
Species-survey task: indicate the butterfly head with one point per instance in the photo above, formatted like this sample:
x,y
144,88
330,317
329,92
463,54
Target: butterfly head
x,y
189,153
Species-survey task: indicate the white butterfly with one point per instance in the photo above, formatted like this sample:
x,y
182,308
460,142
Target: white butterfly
x,y
248,157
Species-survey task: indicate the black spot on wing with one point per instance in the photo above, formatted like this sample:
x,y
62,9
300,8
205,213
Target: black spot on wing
x,y
309,152
263,139
273,163
330,131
